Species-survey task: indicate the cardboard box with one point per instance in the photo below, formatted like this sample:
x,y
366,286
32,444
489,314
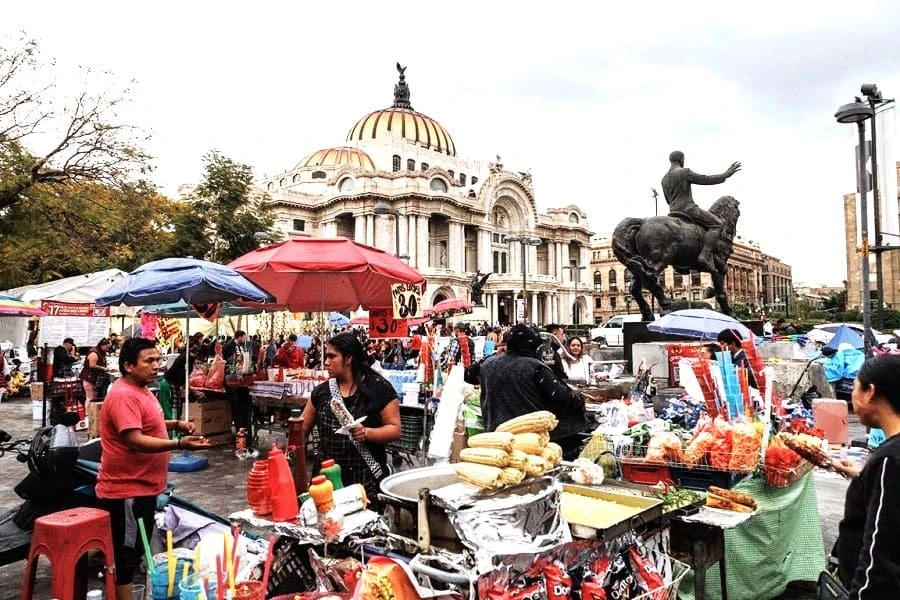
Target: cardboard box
x,y
676,351
94,420
37,391
210,417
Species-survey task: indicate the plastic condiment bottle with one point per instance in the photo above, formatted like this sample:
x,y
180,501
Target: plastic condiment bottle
x,y
281,486
322,493
295,438
332,471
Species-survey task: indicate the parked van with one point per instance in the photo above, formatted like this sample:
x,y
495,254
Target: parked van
x,y
610,333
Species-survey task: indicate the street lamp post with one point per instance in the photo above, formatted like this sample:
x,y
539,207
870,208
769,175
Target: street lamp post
x,y
382,208
873,95
857,112
524,241
576,269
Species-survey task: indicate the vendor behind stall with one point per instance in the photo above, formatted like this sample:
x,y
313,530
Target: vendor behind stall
x,y
64,357
731,342
515,383
364,393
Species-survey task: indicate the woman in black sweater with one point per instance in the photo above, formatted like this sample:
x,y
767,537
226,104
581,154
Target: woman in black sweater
x,y
868,546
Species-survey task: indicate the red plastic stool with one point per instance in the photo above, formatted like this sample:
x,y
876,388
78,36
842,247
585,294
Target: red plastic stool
x,y
64,537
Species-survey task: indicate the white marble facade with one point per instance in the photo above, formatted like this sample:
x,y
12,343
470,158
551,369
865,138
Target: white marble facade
x,y
453,215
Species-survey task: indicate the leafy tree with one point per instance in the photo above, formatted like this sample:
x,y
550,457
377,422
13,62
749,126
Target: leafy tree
x,y
836,302
79,228
226,210
45,145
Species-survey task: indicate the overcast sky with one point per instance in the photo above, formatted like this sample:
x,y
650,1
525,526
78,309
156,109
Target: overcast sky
x,y
589,97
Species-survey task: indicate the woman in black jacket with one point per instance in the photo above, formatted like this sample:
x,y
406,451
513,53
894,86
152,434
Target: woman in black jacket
x,y
868,546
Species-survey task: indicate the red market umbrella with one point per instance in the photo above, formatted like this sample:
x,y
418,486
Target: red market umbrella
x,y
410,322
449,308
316,274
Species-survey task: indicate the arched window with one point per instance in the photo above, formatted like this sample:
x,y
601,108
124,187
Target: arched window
x,y
474,180
282,182
612,280
410,164
438,185
452,174
628,278
346,185
462,179
424,166
396,163
295,178
573,218
270,186
319,175
598,281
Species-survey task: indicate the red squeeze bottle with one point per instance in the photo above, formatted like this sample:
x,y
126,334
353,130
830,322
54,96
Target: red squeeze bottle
x,y
295,438
281,486
258,495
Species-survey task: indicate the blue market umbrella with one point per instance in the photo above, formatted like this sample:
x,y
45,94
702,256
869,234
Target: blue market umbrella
x,y
846,335
701,323
189,280
180,310
171,280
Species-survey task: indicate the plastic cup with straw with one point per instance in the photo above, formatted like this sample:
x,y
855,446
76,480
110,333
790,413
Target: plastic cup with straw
x,y
170,561
148,556
267,569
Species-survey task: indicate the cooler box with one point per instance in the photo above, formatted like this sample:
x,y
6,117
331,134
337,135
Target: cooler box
x,y
831,417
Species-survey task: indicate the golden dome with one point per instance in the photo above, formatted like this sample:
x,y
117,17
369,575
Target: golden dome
x,y
333,157
400,120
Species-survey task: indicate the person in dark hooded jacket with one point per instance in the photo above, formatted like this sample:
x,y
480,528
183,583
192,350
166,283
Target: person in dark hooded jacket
x,y
516,383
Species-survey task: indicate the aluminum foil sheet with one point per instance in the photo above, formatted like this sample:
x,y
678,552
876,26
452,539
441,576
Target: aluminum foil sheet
x,y
362,523
723,519
514,520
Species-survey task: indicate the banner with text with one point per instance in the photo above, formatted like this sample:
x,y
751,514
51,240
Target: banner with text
x,y
85,323
382,324
407,300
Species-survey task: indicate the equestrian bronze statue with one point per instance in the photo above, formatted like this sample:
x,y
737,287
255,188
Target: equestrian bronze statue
x,y
689,238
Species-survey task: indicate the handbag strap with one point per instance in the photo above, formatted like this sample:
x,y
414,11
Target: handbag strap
x,y
344,417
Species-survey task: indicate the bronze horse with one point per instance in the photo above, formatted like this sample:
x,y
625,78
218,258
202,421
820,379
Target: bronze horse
x,y
647,246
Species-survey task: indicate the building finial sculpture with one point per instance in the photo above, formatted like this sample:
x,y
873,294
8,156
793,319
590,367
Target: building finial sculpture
x,y
401,90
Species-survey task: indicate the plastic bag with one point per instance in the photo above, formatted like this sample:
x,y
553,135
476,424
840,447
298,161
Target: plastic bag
x,y
198,377
664,447
215,377
698,448
745,446
720,452
613,416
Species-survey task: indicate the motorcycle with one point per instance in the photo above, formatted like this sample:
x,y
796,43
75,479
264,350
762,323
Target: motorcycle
x,y
55,481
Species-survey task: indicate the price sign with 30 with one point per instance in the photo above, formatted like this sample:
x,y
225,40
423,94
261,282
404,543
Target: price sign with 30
x,y
383,325
407,300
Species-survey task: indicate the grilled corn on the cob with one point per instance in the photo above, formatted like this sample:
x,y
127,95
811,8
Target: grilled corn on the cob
x,y
485,456
531,443
482,476
517,459
538,421
552,454
511,476
535,465
494,439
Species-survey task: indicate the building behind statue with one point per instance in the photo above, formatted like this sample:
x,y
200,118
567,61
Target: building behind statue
x,y
454,214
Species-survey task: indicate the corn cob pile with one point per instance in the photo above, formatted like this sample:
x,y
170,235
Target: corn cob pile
x,y
520,447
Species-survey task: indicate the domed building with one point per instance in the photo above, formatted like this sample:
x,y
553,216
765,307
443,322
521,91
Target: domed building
x,y
397,180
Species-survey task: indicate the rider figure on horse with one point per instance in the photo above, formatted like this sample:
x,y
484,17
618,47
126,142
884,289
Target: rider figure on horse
x,y
676,184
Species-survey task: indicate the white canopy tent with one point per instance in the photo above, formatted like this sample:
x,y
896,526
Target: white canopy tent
x,y
77,289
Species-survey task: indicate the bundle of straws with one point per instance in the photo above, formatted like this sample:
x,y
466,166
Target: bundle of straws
x,y
227,565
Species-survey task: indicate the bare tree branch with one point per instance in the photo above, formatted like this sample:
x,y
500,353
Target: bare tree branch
x,y
88,144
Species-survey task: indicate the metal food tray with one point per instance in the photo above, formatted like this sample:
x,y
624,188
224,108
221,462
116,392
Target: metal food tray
x,y
650,510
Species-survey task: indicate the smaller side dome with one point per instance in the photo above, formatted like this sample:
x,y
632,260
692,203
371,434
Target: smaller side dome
x,y
334,157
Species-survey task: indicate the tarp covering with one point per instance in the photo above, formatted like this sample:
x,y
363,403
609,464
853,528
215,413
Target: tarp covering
x,y
76,289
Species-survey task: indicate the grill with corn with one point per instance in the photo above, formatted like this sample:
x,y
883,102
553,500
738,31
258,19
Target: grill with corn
x,y
520,447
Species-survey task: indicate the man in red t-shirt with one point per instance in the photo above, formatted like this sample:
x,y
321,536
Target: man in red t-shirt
x,y
290,355
135,460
